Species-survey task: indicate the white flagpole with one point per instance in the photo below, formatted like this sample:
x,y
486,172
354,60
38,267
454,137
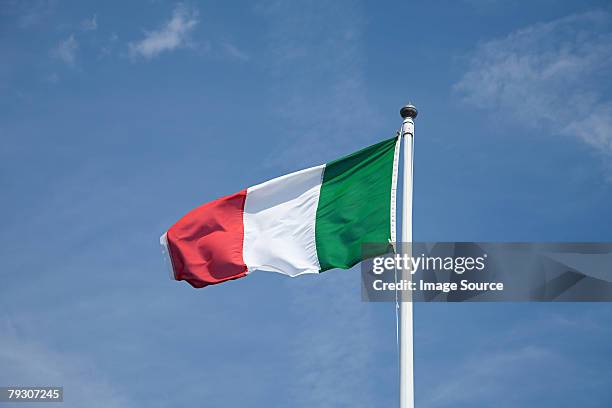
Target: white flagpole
x,y
408,112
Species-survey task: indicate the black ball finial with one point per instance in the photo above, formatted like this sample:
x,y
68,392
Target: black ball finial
x,y
409,111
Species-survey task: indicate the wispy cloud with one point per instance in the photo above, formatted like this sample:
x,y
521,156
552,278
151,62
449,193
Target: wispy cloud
x,y
334,365
234,52
548,77
52,78
35,363
318,44
482,378
544,343
29,14
172,35
66,50
90,24
109,46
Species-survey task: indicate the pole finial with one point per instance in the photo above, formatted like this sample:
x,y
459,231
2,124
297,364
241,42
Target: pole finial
x,y
409,111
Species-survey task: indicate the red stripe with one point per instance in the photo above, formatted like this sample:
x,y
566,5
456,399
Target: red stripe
x,y
206,244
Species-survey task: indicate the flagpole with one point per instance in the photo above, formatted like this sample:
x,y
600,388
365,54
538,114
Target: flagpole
x,y
408,113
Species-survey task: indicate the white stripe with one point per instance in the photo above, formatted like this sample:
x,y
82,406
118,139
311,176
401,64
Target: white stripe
x,y
393,214
279,223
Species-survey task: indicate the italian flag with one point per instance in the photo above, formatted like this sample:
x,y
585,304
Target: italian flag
x,y
309,221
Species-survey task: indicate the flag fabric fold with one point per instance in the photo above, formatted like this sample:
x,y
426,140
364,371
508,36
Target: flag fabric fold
x,y
308,221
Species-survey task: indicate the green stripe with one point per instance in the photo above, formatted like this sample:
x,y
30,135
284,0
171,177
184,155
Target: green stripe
x,y
354,205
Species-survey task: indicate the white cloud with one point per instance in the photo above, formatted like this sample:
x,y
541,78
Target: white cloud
x,y
335,367
510,357
66,50
323,44
172,35
480,379
548,76
52,78
234,52
29,14
109,47
31,362
90,24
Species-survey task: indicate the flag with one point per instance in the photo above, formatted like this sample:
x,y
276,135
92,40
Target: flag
x,y
309,221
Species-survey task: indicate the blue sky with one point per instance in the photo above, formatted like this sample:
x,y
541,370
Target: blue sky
x,y
118,117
